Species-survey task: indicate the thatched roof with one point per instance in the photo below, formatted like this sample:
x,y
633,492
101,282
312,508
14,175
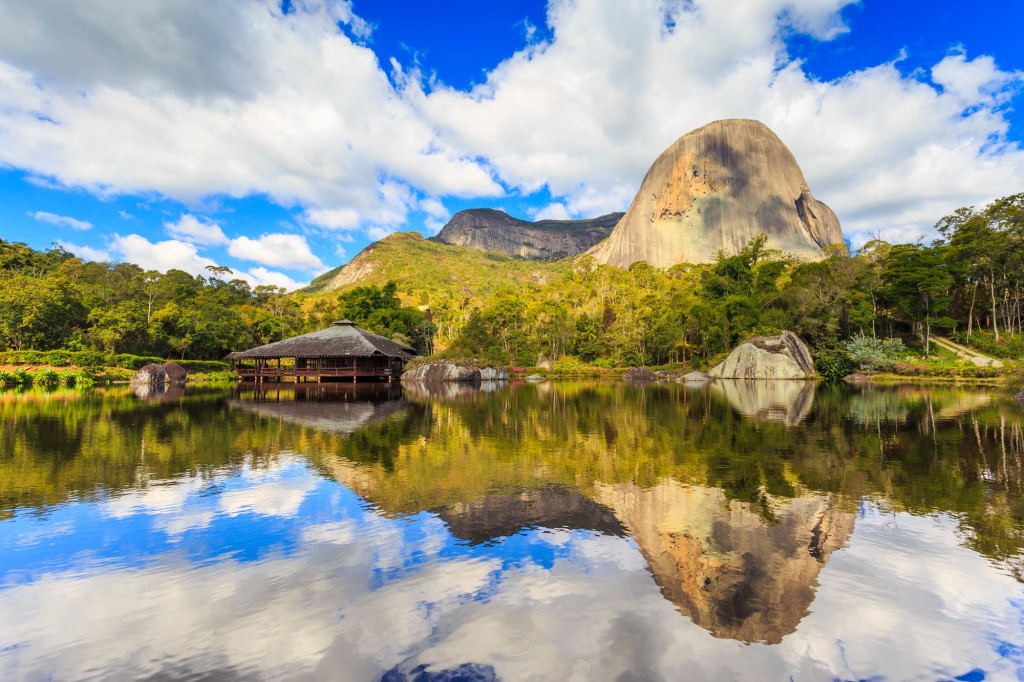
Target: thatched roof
x,y
342,339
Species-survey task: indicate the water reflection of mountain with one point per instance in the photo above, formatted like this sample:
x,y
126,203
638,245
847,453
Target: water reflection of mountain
x,y
723,565
496,516
710,486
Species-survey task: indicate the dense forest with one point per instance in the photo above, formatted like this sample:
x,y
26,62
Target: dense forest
x,y
967,284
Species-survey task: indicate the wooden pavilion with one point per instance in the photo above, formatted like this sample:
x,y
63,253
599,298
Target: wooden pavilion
x,y
342,352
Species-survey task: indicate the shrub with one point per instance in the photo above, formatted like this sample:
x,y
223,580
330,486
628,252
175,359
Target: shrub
x,y
22,377
47,377
6,378
832,362
867,352
203,365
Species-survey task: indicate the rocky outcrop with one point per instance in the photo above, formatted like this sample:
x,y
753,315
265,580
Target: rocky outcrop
x,y
171,374
639,375
440,372
768,357
487,229
697,378
715,189
493,374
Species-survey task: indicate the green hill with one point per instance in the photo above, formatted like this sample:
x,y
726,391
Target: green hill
x,y
424,268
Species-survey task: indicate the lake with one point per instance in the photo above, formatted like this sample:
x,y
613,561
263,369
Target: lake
x,y
558,531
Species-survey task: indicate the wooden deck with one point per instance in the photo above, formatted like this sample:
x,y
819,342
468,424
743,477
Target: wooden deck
x,y
279,374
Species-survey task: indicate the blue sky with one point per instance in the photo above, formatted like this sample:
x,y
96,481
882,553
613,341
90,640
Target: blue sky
x,y
279,140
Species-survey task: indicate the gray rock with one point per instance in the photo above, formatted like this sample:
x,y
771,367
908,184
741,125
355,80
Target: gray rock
x,y
438,372
768,357
856,378
487,229
667,375
697,378
715,189
493,374
639,375
170,373
536,378
1020,397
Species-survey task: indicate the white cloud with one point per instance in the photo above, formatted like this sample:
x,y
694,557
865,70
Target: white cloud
x,y
85,252
162,256
188,98
586,113
277,249
61,220
553,211
195,230
273,278
434,208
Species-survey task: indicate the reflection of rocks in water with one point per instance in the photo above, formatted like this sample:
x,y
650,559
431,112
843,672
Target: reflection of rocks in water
x,y
731,572
786,402
326,407
549,507
451,390
158,392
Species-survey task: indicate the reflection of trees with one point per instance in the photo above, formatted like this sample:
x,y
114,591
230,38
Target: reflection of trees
x,y
915,450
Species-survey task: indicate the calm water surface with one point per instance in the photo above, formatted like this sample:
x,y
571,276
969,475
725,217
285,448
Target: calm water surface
x,y
532,532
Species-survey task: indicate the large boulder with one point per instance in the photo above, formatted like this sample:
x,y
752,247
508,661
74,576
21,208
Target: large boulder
x,y
768,357
697,378
439,372
150,374
170,373
176,374
493,374
639,375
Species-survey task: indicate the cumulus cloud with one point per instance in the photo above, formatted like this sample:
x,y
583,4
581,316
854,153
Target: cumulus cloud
x,y
173,254
85,252
553,211
278,249
195,230
586,113
190,99
61,220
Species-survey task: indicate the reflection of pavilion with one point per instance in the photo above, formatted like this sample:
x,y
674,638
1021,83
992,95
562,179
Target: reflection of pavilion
x,y
335,408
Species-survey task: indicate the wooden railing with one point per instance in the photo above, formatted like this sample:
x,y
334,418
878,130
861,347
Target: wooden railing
x,y
276,372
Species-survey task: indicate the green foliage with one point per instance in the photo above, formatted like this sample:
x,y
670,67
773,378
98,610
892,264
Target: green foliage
x,y
875,354
832,362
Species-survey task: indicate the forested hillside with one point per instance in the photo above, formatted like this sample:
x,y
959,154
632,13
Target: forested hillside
x,y
968,284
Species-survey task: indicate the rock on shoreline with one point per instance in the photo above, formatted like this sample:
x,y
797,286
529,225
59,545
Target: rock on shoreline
x,y
169,373
443,372
768,357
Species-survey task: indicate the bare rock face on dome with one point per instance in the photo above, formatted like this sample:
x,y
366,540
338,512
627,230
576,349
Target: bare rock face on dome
x,y
768,357
715,189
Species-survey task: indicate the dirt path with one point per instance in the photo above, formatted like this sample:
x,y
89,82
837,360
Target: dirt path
x,y
964,352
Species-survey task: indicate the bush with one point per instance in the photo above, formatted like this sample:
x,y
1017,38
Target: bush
x,y
867,352
832,363
134,362
6,378
47,377
205,366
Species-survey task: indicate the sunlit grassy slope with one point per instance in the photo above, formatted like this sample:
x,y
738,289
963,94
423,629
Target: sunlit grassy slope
x,y
422,268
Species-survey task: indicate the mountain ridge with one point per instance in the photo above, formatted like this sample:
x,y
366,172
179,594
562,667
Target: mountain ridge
x,y
489,229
